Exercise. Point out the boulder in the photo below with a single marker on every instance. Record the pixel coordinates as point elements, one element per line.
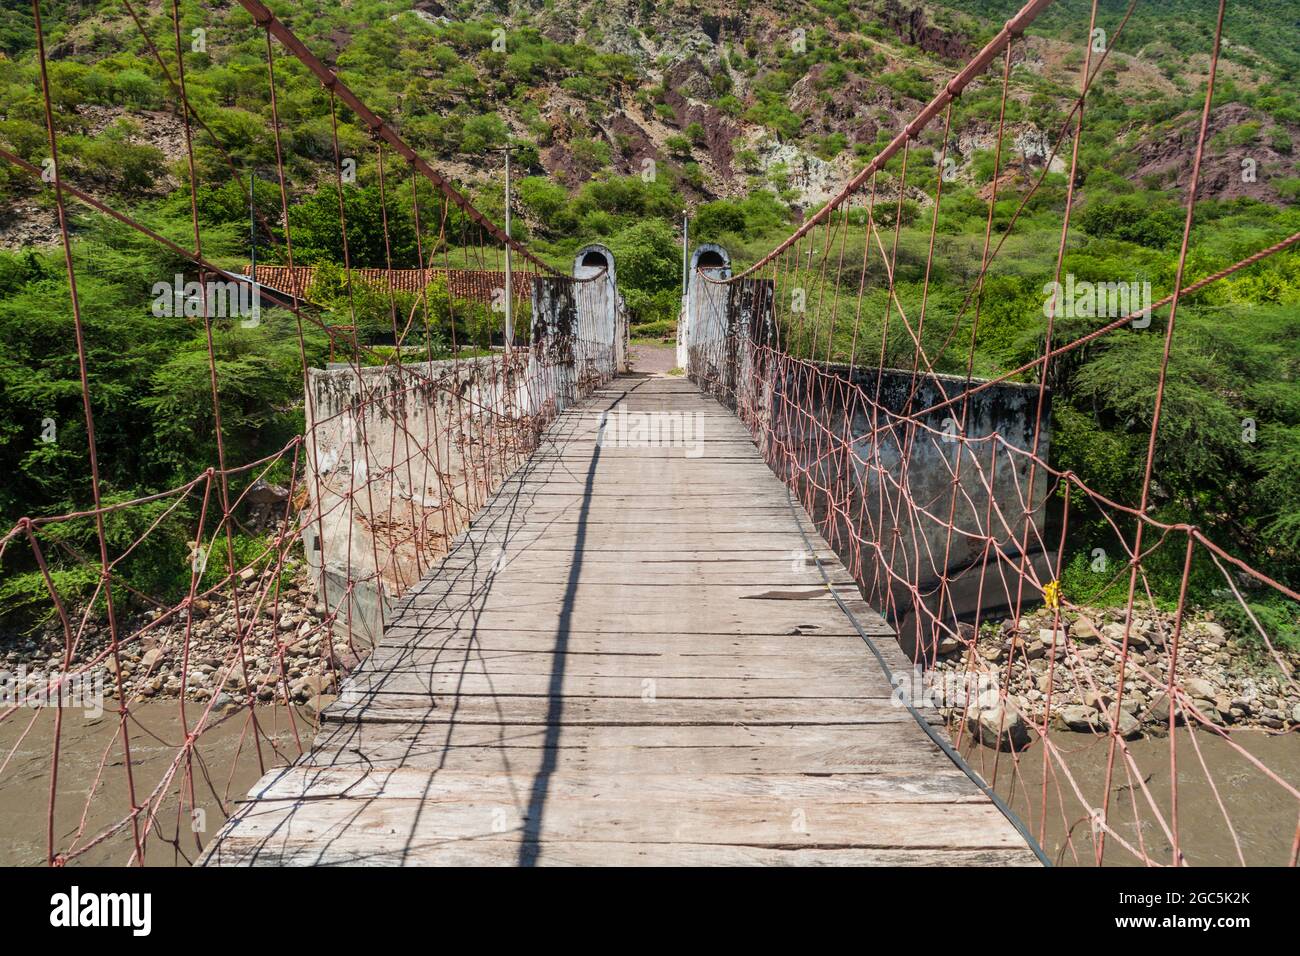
<point>312,685</point>
<point>1084,629</point>
<point>1096,699</point>
<point>1113,632</point>
<point>314,706</point>
<point>1214,633</point>
<point>1158,710</point>
<point>1207,709</point>
<point>265,502</point>
<point>1000,727</point>
<point>1082,719</point>
<point>1076,717</point>
<point>1128,725</point>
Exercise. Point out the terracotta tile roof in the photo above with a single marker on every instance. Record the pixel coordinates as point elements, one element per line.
<point>476,285</point>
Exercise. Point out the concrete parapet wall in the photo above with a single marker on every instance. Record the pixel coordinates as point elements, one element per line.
<point>400,458</point>
<point>896,489</point>
<point>398,461</point>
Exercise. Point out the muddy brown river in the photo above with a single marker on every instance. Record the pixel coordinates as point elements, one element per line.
<point>1251,818</point>
<point>225,766</point>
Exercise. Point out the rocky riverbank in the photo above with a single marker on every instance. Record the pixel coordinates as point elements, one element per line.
<point>287,658</point>
<point>1218,679</point>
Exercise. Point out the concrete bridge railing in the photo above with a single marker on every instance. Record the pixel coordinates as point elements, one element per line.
<point>401,456</point>
<point>846,439</point>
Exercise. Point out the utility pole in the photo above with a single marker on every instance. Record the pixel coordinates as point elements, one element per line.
<point>509,335</point>
<point>252,230</point>
<point>685,230</point>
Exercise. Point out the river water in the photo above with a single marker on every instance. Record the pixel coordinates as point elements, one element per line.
<point>225,767</point>
<point>1252,817</point>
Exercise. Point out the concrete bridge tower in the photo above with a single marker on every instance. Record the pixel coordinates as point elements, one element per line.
<point>704,309</point>
<point>601,311</point>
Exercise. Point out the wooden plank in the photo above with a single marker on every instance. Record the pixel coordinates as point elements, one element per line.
<point>647,561</point>
<point>302,782</point>
<point>469,683</point>
<point>628,553</point>
<point>531,568</point>
<point>564,536</point>
<point>756,820</point>
<point>526,749</point>
<point>564,511</point>
<point>508,590</point>
<point>656,711</point>
<point>639,666</point>
<point>591,642</point>
<point>777,618</point>
<point>352,850</point>
<point>422,752</point>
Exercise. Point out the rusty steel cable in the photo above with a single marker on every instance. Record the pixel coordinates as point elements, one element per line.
<point>494,408</point>
<point>774,366</point>
<point>848,452</point>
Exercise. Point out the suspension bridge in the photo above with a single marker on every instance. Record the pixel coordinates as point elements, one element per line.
<point>599,616</point>
<point>620,661</point>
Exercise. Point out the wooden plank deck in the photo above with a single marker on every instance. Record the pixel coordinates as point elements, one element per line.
<point>629,658</point>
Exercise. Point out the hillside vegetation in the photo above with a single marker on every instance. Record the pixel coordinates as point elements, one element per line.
<point>625,113</point>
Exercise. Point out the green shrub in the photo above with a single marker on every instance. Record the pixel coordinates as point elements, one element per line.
<point>678,145</point>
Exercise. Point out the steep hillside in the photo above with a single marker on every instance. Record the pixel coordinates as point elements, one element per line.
<point>716,98</point>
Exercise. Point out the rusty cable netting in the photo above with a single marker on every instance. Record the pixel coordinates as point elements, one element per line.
<point>401,449</point>
<point>933,513</point>
<point>943,517</point>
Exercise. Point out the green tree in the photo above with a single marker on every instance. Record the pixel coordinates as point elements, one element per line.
<point>318,235</point>
<point>649,270</point>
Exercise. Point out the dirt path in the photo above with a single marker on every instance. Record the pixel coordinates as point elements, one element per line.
<point>653,359</point>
